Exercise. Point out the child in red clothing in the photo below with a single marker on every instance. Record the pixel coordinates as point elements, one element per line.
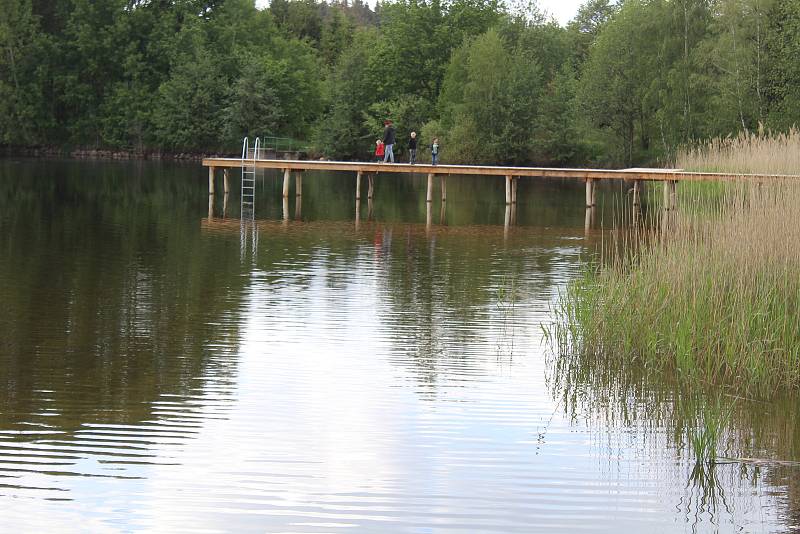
<point>378,150</point>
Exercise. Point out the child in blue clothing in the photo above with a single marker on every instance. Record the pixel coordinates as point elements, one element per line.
<point>435,151</point>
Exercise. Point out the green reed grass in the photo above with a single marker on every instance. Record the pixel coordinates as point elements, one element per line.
<point>715,296</point>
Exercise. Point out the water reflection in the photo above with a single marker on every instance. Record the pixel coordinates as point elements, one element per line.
<point>99,313</point>
<point>323,370</point>
<point>711,434</point>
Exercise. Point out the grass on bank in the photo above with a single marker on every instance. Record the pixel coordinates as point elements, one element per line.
<point>717,297</point>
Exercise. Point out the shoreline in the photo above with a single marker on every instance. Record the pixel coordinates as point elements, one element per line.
<point>111,154</point>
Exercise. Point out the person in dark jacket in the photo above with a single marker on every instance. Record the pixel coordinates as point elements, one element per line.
<point>412,148</point>
<point>388,141</point>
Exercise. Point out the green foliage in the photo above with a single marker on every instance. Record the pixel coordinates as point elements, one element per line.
<point>341,132</point>
<point>490,102</point>
<point>624,83</point>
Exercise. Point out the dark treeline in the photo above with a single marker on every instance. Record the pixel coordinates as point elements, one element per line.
<point>621,84</point>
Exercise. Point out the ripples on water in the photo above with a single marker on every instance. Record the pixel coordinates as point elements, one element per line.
<point>161,373</point>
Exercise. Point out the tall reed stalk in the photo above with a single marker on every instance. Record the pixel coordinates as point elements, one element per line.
<point>717,297</point>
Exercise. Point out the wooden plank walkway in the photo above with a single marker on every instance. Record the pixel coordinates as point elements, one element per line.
<point>511,174</point>
<point>656,174</point>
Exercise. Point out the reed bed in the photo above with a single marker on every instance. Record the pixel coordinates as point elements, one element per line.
<point>715,297</point>
<point>747,153</point>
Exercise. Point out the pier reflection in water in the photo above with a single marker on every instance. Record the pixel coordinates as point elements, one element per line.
<point>372,367</point>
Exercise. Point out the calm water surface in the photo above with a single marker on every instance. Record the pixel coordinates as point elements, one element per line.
<point>161,370</point>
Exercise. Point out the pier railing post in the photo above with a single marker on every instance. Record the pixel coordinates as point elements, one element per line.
<point>508,189</point>
<point>287,175</point>
<point>429,197</point>
<point>211,171</point>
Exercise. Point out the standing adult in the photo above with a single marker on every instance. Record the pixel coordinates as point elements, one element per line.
<point>388,141</point>
<point>412,148</point>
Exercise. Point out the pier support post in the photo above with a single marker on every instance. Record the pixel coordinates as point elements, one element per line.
<point>358,185</point>
<point>210,207</point>
<point>443,184</point>
<point>225,206</point>
<point>298,207</point>
<point>371,186</point>
<point>285,210</point>
<point>287,175</point>
<point>589,220</point>
<point>508,189</point>
<point>298,184</point>
<point>358,212</point>
<point>637,192</point>
<point>225,184</point>
<point>428,216</point>
<point>591,192</point>
<point>514,183</point>
<point>211,171</point>
<point>669,195</point>
<point>429,198</point>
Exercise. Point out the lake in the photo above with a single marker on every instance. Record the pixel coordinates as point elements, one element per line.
<point>330,367</point>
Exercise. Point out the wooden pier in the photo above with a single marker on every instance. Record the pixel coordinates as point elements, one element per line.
<point>511,175</point>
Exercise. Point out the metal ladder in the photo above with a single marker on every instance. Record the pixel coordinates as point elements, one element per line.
<point>248,193</point>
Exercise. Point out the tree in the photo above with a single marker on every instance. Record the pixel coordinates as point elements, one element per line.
<point>619,85</point>
<point>17,39</point>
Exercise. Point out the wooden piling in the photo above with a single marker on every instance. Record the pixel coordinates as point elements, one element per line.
<point>358,185</point>
<point>428,215</point>
<point>298,184</point>
<point>514,183</point>
<point>211,171</point>
<point>589,219</point>
<point>287,175</point>
<point>673,194</point>
<point>591,194</point>
<point>637,192</point>
<point>371,186</point>
<point>443,184</point>
<point>225,184</point>
<point>669,194</point>
<point>429,198</point>
<point>508,189</point>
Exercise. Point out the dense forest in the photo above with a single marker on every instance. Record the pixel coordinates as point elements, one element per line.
<point>622,83</point>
